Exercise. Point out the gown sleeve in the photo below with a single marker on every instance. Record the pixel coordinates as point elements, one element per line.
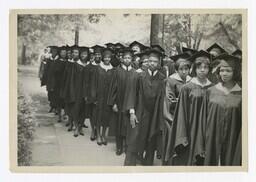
<point>181,119</point>
<point>112,96</point>
<point>157,120</point>
<point>169,101</point>
<point>130,92</point>
<point>201,135</point>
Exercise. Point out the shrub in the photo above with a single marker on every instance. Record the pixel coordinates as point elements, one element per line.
<point>25,124</point>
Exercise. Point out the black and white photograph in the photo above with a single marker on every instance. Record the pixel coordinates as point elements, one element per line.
<point>119,88</point>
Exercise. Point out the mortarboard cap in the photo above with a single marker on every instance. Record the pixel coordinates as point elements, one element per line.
<point>110,45</point>
<point>216,47</point>
<point>84,49</point>
<point>97,48</point>
<point>157,47</point>
<point>62,48</point>
<point>136,43</point>
<point>184,55</point>
<point>237,53</point>
<point>189,51</point>
<point>200,53</point>
<point>127,50</point>
<point>228,60</point>
<point>52,48</point>
<point>155,52</point>
<point>107,50</point>
<point>119,46</point>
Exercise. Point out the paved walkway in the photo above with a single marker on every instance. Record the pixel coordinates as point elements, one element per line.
<point>52,144</point>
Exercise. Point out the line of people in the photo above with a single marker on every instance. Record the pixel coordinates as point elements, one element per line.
<point>185,111</point>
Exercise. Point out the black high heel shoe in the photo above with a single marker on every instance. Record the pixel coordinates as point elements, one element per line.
<point>99,142</point>
<point>104,141</point>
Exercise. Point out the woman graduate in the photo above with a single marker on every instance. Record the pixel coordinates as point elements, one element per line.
<point>222,112</point>
<point>89,89</point>
<point>79,105</point>
<point>187,114</point>
<point>103,110</point>
<point>173,87</point>
<point>69,91</point>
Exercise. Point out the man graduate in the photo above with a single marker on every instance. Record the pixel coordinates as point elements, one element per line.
<point>121,96</point>
<point>89,89</point>
<point>148,115</point>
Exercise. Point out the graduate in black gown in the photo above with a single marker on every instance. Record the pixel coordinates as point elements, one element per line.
<point>173,86</point>
<point>187,116</point>
<point>215,50</point>
<point>143,66</point>
<point>137,48</point>
<point>78,77</point>
<point>220,141</point>
<point>148,116</point>
<point>103,110</point>
<point>66,90</point>
<point>164,69</point>
<point>59,73</point>
<point>90,89</point>
<point>51,79</point>
<point>121,96</point>
<point>70,90</point>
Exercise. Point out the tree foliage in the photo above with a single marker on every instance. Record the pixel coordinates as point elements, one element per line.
<point>200,31</point>
<point>191,30</point>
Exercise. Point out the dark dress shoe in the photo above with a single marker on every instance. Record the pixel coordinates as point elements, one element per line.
<point>81,133</point>
<point>59,121</point>
<point>99,141</point>
<point>92,138</point>
<point>104,142</point>
<point>119,151</point>
<point>75,135</point>
<point>51,109</point>
<point>67,124</point>
<point>85,126</point>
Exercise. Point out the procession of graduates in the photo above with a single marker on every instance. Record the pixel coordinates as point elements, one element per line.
<point>185,111</point>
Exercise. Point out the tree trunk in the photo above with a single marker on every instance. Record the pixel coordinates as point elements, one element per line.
<point>157,27</point>
<point>23,54</point>
<point>77,36</point>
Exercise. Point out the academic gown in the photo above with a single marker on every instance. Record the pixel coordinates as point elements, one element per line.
<point>104,111</point>
<point>186,123</point>
<point>221,133</point>
<point>77,108</point>
<point>89,91</point>
<point>68,86</point>
<point>173,87</point>
<point>171,68</point>
<point>149,109</point>
<point>59,73</point>
<point>51,81</point>
<point>44,69</point>
<point>122,93</point>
